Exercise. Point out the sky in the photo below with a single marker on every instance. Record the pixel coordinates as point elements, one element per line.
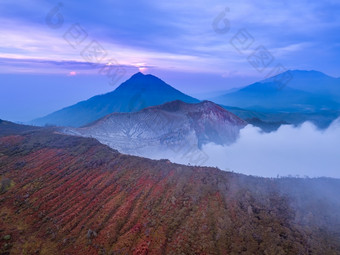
<point>199,47</point>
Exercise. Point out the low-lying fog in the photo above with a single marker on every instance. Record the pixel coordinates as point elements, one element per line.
<point>297,151</point>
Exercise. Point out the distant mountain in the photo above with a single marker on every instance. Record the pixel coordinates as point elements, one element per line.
<point>213,94</point>
<point>307,91</point>
<point>62,194</point>
<point>138,92</point>
<point>176,126</point>
<point>315,82</point>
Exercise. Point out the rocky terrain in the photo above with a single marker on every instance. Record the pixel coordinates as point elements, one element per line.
<point>172,128</point>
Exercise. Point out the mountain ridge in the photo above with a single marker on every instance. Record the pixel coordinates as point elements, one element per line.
<point>306,91</point>
<point>136,93</point>
<point>174,126</point>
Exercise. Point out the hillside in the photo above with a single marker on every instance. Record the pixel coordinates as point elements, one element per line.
<point>172,127</point>
<point>136,93</point>
<point>9,128</point>
<point>71,195</point>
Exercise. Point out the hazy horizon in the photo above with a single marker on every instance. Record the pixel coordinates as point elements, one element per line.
<point>200,52</point>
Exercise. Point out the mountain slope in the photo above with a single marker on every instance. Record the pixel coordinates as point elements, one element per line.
<point>138,92</point>
<point>9,128</point>
<point>307,91</point>
<point>70,195</point>
<point>176,126</point>
<point>315,82</point>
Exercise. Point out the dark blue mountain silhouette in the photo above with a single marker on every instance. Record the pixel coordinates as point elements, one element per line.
<point>136,93</point>
<point>307,91</point>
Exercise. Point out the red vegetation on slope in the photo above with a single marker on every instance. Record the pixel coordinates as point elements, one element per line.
<point>71,195</point>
